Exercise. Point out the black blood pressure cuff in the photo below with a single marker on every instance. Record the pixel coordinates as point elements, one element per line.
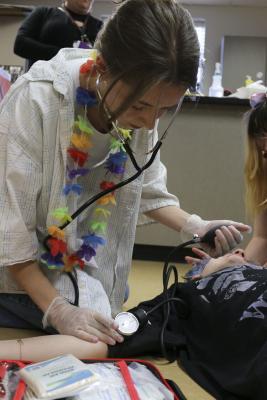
<point>147,340</point>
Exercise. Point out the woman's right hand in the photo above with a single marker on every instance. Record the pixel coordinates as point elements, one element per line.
<point>83,323</point>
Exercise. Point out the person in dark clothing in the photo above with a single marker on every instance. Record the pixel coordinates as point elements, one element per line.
<point>48,29</point>
<point>221,342</point>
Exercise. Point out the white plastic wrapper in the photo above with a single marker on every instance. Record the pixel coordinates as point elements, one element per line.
<point>245,92</point>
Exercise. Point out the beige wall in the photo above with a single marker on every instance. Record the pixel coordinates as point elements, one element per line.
<point>204,155</point>
<point>8,29</point>
<point>222,20</point>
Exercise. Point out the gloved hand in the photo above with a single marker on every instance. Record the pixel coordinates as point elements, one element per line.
<point>227,237</point>
<point>83,323</point>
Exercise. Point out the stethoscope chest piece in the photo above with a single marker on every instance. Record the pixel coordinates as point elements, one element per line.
<point>128,323</point>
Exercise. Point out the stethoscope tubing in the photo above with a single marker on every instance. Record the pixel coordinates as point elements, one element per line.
<point>119,185</point>
<point>93,199</point>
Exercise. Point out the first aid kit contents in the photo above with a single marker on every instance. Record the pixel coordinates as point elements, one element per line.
<point>56,378</point>
<point>121,381</point>
<point>11,386</point>
<point>68,377</point>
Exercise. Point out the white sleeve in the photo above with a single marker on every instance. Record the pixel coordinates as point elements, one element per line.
<point>20,175</point>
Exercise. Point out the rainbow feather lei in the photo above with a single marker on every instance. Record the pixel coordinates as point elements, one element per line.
<point>78,154</point>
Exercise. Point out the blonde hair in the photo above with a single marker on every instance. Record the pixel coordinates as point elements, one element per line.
<point>255,170</point>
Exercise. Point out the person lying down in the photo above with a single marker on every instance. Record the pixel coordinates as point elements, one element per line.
<point>224,347</point>
<point>227,329</point>
<point>222,343</point>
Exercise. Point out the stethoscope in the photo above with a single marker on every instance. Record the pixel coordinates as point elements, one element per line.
<point>114,130</point>
<point>130,323</point>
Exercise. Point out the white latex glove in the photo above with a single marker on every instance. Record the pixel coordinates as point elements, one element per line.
<point>227,237</point>
<point>84,323</point>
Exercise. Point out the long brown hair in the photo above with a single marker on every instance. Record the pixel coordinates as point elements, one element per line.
<point>149,41</point>
<point>255,165</point>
